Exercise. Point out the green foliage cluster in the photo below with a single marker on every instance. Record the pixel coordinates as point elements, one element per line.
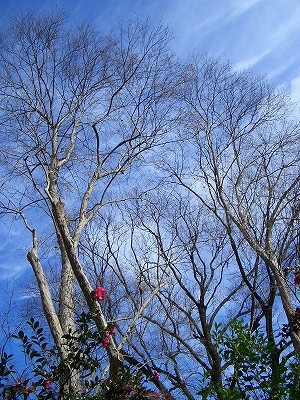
<point>47,376</point>
<point>253,368</point>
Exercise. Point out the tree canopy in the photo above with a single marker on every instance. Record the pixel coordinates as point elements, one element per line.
<point>162,200</point>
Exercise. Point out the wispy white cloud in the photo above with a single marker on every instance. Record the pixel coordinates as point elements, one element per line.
<point>286,25</point>
<point>240,7</point>
<point>195,17</point>
<point>295,89</point>
<point>251,62</point>
<point>251,33</point>
<point>13,260</point>
<point>30,295</point>
<point>9,270</point>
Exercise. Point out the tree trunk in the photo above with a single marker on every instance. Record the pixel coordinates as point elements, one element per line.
<point>57,332</point>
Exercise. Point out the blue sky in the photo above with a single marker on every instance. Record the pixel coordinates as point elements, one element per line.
<point>262,34</point>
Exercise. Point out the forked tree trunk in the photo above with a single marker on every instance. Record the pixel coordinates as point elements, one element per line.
<point>70,380</point>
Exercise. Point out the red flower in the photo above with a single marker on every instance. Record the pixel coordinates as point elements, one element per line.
<point>28,390</point>
<point>47,383</point>
<point>111,331</point>
<point>99,293</point>
<point>155,375</point>
<point>297,279</point>
<point>105,341</point>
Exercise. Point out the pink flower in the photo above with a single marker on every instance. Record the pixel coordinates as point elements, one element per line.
<point>99,293</point>
<point>155,375</point>
<point>111,331</point>
<point>297,279</point>
<point>18,384</point>
<point>105,341</point>
<point>47,383</point>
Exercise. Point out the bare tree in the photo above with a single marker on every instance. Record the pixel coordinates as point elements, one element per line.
<point>187,236</point>
<point>234,167</point>
<point>239,157</point>
<point>77,110</point>
<point>167,240</point>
